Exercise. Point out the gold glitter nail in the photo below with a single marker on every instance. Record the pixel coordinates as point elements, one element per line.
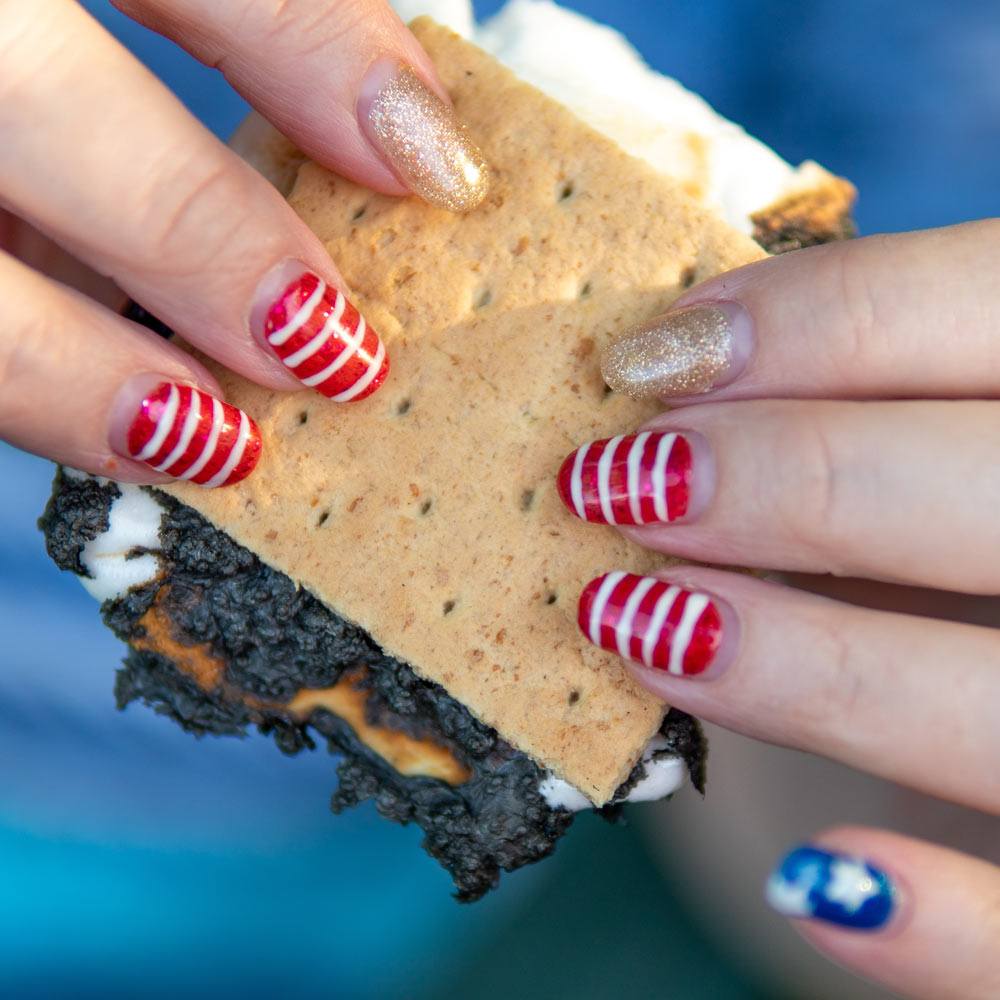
<point>427,145</point>
<point>681,353</point>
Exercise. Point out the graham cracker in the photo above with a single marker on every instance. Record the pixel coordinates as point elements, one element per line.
<point>428,513</point>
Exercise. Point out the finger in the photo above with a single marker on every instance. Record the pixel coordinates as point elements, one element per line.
<point>928,917</point>
<point>344,79</point>
<point>97,393</point>
<point>899,491</point>
<point>889,316</point>
<point>36,250</point>
<point>911,699</point>
<point>157,203</point>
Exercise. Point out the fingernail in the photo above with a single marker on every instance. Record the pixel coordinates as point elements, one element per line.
<point>657,624</point>
<point>835,888</point>
<point>318,335</point>
<point>185,433</point>
<point>684,352</point>
<point>419,136</point>
<point>639,479</point>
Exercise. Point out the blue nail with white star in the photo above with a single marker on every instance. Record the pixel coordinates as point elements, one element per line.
<point>815,884</point>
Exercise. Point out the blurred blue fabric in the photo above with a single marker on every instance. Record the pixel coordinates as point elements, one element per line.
<point>127,846</point>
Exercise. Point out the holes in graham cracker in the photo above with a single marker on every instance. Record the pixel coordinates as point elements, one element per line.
<point>303,417</point>
<point>551,597</point>
<point>403,407</point>
<point>687,276</point>
<point>483,298</point>
<point>574,697</point>
<point>359,213</point>
<point>425,507</point>
<point>567,191</point>
<point>527,500</point>
<point>448,607</point>
<point>585,289</point>
<point>322,519</point>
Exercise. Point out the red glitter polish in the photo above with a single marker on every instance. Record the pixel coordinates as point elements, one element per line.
<point>660,625</point>
<point>325,342</point>
<point>189,434</point>
<point>640,479</point>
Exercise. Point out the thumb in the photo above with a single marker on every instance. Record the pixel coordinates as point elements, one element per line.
<point>344,79</point>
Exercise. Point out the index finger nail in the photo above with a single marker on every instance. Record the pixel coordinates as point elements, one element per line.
<point>684,352</point>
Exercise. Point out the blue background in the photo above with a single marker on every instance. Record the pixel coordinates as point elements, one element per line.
<point>134,859</point>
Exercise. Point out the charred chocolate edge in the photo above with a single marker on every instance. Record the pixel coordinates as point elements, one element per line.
<point>217,594</point>
<point>74,517</point>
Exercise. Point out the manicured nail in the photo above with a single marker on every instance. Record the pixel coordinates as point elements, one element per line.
<point>681,353</point>
<point>421,139</point>
<point>839,889</point>
<point>639,479</point>
<point>188,434</point>
<point>657,624</point>
<point>321,338</point>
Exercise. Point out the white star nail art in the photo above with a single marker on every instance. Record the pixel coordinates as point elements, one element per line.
<point>850,885</point>
<point>789,898</point>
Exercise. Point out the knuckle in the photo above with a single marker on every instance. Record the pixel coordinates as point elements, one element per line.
<point>826,715</point>
<point>319,23</point>
<point>23,346</point>
<point>859,342</point>
<point>844,693</point>
<point>809,492</point>
<point>187,212</point>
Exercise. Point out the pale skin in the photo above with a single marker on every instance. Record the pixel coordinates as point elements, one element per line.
<point>818,464</point>
<point>862,440</point>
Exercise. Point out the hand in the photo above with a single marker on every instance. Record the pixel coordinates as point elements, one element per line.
<point>848,422</point>
<point>99,157</point>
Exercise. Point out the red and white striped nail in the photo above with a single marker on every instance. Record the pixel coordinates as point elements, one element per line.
<point>660,625</point>
<point>321,338</point>
<point>639,479</point>
<point>186,433</point>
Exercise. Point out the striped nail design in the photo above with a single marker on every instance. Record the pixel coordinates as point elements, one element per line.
<point>189,434</point>
<point>638,479</point>
<point>660,625</point>
<point>325,342</point>
<point>836,888</point>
